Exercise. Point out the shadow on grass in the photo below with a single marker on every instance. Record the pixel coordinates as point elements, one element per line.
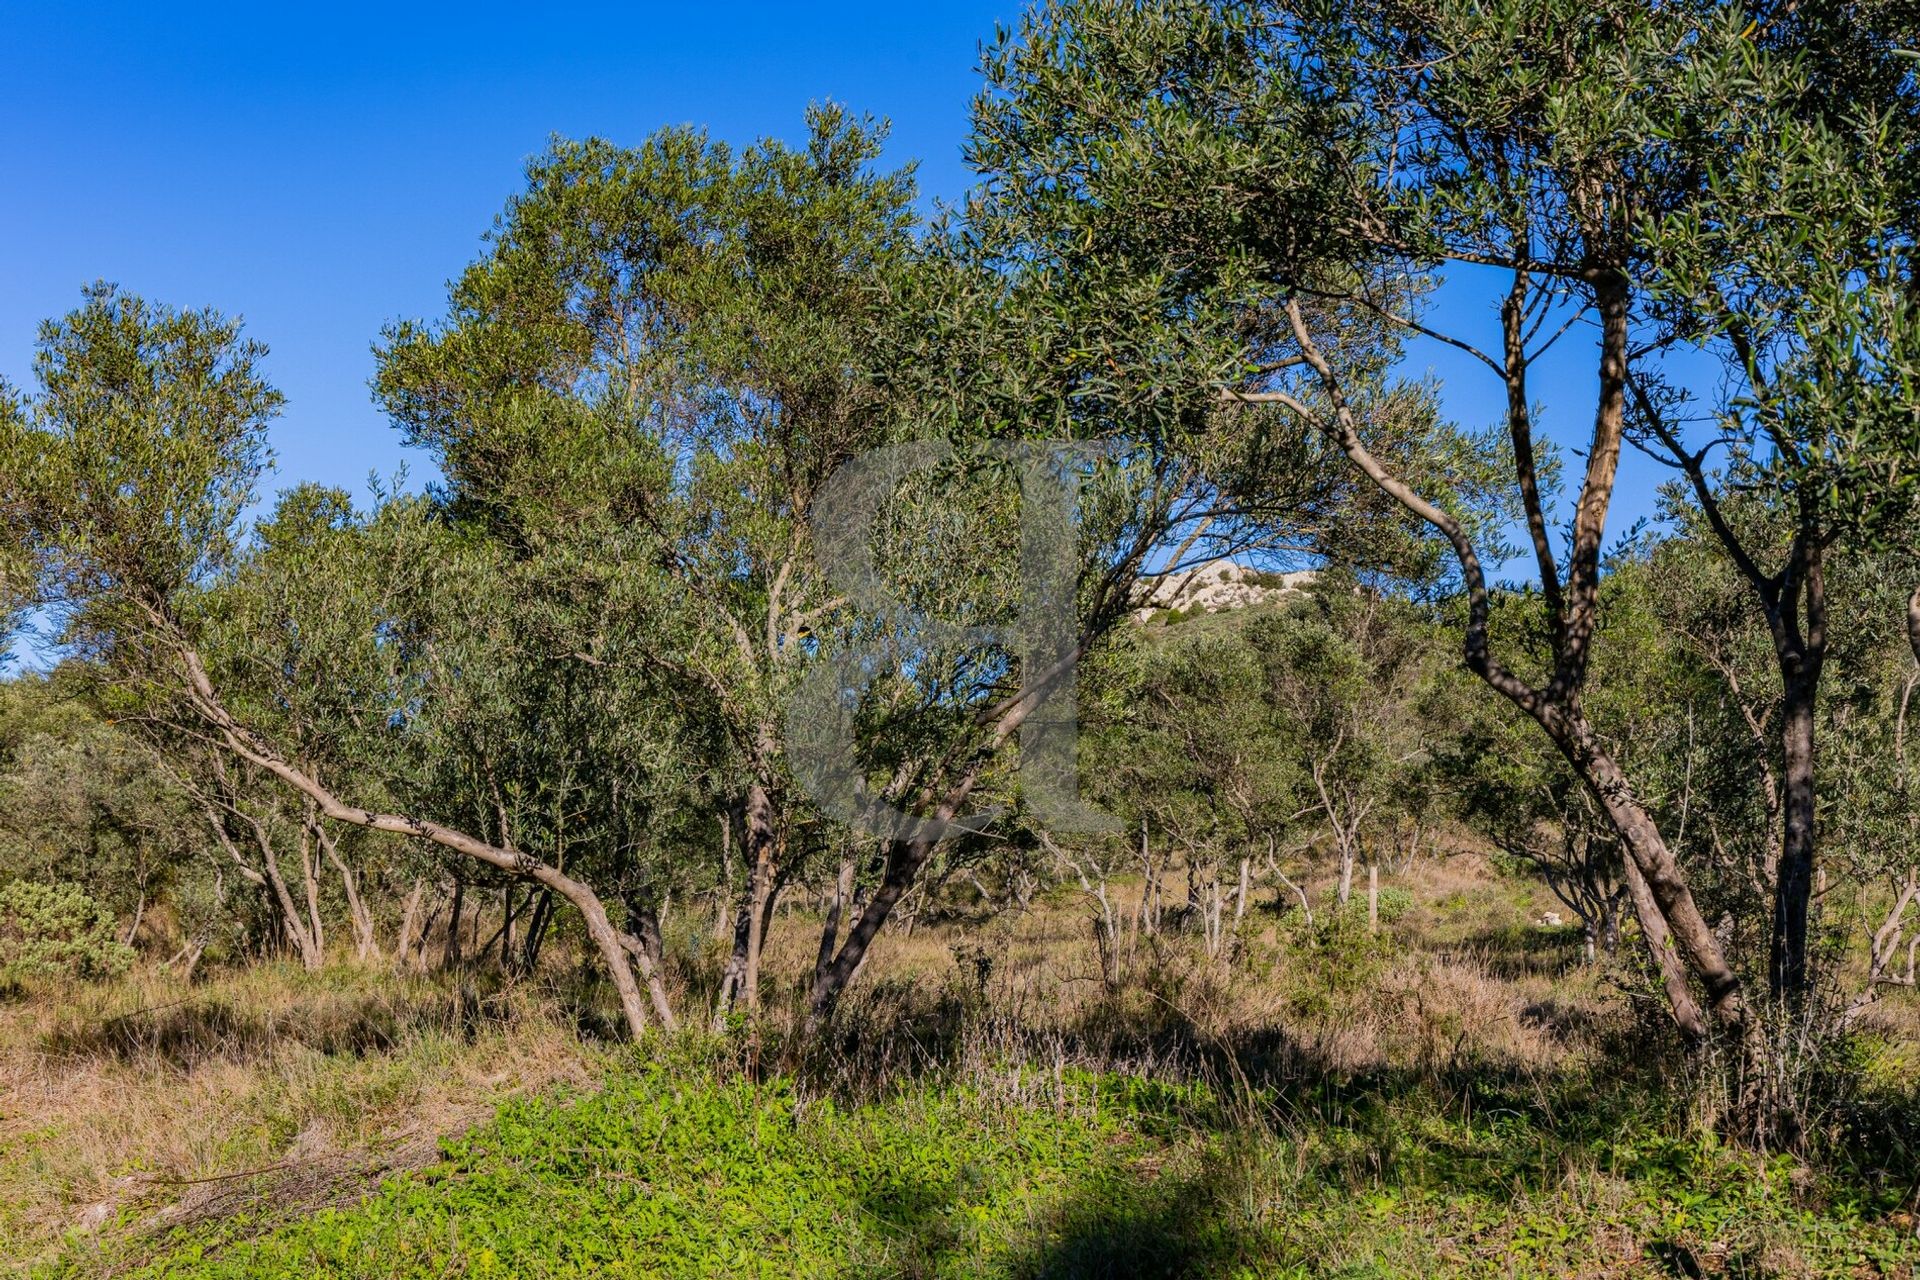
<point>1118,1224</point>
<point>1526,951</point>
<point>1462,1124</point>
<point>1266,1076</point>
<point>1178,1226</point>
<point>213,1028</point>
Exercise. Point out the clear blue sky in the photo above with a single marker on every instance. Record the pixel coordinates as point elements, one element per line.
<point>323,173</point>
<point>323,170</point>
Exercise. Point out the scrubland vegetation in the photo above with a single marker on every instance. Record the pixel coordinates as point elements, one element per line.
<point>750,812</point>
<point>1458,1094</point>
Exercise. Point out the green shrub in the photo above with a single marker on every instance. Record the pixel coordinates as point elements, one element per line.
<point>1394,902</point>
<point>664,1171</point>
<point>55,930</point>
<point>667,1171</point>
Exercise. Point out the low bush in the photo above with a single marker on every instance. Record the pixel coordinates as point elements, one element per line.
<point>675,1168</point>
<point>56,931</point>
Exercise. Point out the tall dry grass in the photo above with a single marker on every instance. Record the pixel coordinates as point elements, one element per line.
<point>147,1099</point>
<point>1468,977</point>
<point>145,1103</point>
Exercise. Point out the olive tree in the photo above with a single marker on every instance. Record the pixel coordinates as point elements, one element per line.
<point>138,457</point>
<point>702,324</point>
<point>1573,165</point>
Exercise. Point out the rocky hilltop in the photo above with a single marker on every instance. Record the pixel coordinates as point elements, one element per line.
<point>1213,586</point>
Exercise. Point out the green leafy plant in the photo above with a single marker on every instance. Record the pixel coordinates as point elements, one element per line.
<point>56,931</point>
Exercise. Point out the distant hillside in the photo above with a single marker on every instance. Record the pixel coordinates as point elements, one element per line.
<point>1214,586</point>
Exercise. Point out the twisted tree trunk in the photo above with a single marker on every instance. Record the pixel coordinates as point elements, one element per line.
<point>1665,903</point>
<point>242,741</point>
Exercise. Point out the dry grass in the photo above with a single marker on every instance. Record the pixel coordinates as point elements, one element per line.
<point>145,1099</point>
<point>1466,977</point>
<point>145,1104</point>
